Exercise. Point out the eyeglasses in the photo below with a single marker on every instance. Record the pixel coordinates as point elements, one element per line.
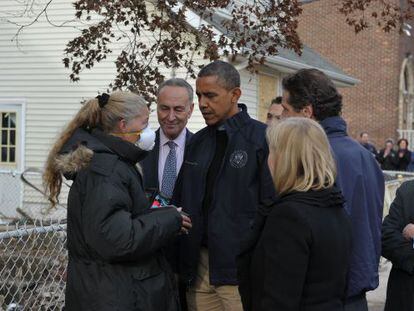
<point>136,133</point>
<point>129,133</point>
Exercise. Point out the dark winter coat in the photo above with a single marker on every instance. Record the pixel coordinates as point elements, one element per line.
<point>298,254</point>
<point>152,186</point>
<point>362,184</point>
<point>243,181</point>
<point>400,292</point>
<point>388,163</point>
<point>404,160</point>
<point>114,240</point>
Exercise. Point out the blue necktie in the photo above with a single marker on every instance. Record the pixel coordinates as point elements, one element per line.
<point>170,172</point>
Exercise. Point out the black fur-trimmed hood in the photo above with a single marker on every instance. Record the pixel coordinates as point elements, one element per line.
<point>79,150</point>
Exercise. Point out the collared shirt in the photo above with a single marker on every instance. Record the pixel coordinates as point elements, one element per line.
<point>164,150</point>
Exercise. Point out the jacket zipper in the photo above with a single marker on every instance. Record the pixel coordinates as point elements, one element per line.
<point>213,200</point>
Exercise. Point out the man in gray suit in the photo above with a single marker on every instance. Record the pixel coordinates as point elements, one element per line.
<point>174,108</point>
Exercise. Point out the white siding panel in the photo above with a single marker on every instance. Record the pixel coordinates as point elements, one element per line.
<point>249,92</point>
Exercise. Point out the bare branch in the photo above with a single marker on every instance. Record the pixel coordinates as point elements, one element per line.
<point>16,36</point>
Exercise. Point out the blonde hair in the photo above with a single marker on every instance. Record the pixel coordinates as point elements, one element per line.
<point>302,156</point>
<point>120,105</point>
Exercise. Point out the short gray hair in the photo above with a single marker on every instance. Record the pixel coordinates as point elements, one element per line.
<point>178,82</point>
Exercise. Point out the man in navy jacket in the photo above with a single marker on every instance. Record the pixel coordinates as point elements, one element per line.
<point>223,180</point>
<point>310,93</point>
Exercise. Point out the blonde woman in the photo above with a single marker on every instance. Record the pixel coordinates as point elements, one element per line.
<point>297,255</point>
<point>113,238</point>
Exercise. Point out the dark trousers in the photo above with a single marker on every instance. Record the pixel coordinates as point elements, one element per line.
<point>356,303</point>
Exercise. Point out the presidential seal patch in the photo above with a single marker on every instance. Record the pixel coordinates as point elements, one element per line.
<point>238,159</point>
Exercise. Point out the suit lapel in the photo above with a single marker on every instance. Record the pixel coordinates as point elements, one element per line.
<point>156,155</point>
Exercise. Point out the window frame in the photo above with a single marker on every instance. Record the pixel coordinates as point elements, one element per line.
<point>18,106</point>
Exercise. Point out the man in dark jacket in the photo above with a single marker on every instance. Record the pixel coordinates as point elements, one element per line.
<point>397,246</point>
<point>223,179</point>
<point>364,140</point>
<point>174,108</point>
<point>175,105</point>
<point>310,93</point>
<point>387,157</point>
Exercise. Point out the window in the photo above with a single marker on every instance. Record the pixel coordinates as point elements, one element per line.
<point>8,137</point>
<point>406,100</point>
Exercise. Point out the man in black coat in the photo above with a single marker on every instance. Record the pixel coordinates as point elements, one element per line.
<point>397,246</point>
<point>174,108</point>
<point>364,140</point>
<point>223,179</point>
<point>387,157</point>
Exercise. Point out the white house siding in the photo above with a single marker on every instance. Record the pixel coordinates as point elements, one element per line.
<point>35,72</point>
<point>249,92</point>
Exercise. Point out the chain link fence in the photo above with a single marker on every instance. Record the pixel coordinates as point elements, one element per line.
<point>33,255</point>
<point>33,260</point>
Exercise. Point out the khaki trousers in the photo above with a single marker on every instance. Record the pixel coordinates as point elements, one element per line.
<point>203,296</point>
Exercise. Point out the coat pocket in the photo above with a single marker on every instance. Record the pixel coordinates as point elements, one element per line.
<point>145,271</point>
<point>152,288</point>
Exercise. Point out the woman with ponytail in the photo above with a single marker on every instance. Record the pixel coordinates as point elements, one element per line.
<point>114,239</point>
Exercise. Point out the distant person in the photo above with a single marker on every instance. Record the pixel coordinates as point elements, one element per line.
<point>397,246</point>
<point>404,155</point>
<point>275,110</point>
<point>310,93</point>
<point>387,157</point>
<point>364,140</point>
<point>298,253</point>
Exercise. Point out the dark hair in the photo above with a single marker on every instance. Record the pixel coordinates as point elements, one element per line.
<point>178,82</point>
<point>362,134</point>
<point>276,101</point>
<point>400,140</point>
<point>313,87</point>
<point>389,140</point>
<point>227,74</point>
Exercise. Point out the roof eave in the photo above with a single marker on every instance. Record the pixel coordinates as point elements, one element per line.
<point>276,62</point>
<point>289,66</point>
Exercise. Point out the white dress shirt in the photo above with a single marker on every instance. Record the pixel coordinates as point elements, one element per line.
<point>164,150</point>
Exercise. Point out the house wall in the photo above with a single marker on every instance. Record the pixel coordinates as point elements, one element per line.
<point>33,70</point>
<point>371,56</point>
